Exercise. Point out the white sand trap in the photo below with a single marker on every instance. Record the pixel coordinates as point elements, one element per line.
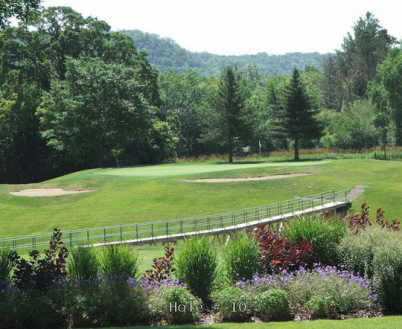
<point>220,180</point>
<point>45,192</point>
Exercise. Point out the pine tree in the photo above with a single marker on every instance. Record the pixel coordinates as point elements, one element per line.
<point>229,121</point>
<point>296,118</point>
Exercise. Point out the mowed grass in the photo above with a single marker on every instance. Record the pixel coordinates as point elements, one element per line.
<point>153,193</point>
<point>389,322</point>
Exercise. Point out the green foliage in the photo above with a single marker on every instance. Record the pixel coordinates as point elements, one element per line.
<point>40,274</point>
<point>196,265</point>
<point>296,118</point>
<point>95,110</point>
<point>83,263</point>
<point>5,264</point>
<point>386,95</point>
<point>353,128</point>
<point>234,304</point>
<point>164,305</point>
<point>163,142</point>
<point>165,55</point>
<point>241,257</point>
<point>376,253</point>
<point>119,259</point>
<point>325,232</point>
<point>272,303</point>
<point>185,106</point>
<point>24,10</point>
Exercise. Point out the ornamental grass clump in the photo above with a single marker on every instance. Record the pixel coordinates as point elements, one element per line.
<point>83,263</point>
<point>196,265</point>
<point>119,259</point>
<point>5,264</point>
<point>376,253</point>
<point>241,257</point>
<point>328,292</point>
<point>325,232</point>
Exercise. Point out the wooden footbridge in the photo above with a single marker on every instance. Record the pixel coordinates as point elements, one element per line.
<point>273,215</point>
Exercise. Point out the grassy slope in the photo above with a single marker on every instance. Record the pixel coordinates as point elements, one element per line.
<point>151,193</point>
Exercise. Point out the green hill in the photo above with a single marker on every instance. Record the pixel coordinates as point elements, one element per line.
<point>165,54</point>
<point>153,193</point>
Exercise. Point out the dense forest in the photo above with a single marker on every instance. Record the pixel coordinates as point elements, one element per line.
<point>165,54</point>
<point>75,95</point>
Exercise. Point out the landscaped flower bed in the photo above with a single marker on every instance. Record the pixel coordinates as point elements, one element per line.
<point>360,276</point>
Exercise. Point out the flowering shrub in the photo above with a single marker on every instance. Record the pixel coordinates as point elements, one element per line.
<point>343,290</point>
<point>279,252</point>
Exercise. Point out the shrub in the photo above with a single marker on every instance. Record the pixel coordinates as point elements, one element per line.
<point>272,303</point>
<point>345,291</point>
<point>41,274</point>
<point>241,257</point>
<point>119,259</point>
<point>174,304</point>
<point>83,263</point>
<point>277,253</point>
<point>233,304</point>
<point>360,221</point>
<point>196,265</point>
<point>325,232</point>
<point>162,267</point>
<point>106,301</point>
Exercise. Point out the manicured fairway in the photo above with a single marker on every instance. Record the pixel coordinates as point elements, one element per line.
<point>152,193</point>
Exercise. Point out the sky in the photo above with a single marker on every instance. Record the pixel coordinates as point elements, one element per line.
<point>235,27</point>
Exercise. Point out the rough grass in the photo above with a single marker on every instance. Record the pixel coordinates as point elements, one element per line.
<point>152,193</point>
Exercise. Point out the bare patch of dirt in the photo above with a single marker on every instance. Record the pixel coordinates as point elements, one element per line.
<point>41,192</point>
<point>356,192</point>
<point>243,179</point>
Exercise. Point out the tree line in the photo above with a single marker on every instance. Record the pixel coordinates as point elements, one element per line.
<point>75,95</point>
<point>165,55</point>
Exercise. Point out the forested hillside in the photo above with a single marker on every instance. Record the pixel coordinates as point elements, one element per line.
<point>75,95</point>
<point>165,54</point>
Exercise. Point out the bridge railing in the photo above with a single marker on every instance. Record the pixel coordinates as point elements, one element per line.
<point>139,231</point>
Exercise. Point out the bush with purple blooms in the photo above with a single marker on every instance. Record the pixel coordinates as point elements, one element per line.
<point>340,291</point>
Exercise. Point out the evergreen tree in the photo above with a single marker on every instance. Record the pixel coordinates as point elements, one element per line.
<point>296,118</point>
<point>228,121</point>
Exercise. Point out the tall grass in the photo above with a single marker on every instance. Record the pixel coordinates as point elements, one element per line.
<point>241,257</point>
<point>325,232</point>
<point>83,263</point>
<point>5,265</point>
<point>120,260</point>
<point>196,265</point>
<point>377,254</point>
<point>392,153</point>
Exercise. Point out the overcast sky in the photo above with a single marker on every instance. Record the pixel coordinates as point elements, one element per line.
<point>227,27</point>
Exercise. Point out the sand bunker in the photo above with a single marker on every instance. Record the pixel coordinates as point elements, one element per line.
<point>45,192</point>
<point>219,180</point>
